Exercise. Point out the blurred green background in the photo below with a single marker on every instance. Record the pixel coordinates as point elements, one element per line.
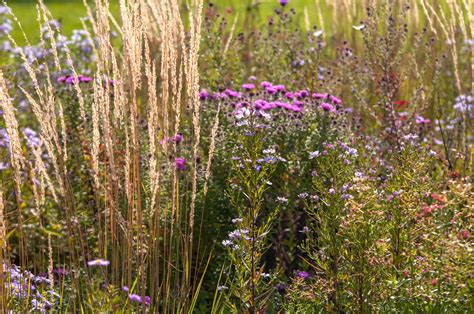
<point>70,11</point>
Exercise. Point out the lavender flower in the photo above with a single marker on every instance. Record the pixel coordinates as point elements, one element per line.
<point>314,154</point>
<point>345,196</point>
<point>135,298</point>
<point>421,120</point>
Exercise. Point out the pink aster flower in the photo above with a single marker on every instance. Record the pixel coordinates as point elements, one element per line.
<point>335,100</point>
<point>327,107</point>
<point>231,93</point>
<point>260,104</point>
<point>280,88</point>
<point>248,87</point>
<point>266,84</point>
<point>135,298</point>
<point>319,96</point>
<point>271,90</point>
<point>84,79</point>
<point>302,94</point>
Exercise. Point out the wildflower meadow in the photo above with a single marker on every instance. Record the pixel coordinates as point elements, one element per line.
<point>237,156</point>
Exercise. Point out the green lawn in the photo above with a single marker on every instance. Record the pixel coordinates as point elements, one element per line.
<point>70,11</point>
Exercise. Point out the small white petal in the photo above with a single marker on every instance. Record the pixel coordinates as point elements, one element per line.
<point>318,33</point>
<point>358,27</point>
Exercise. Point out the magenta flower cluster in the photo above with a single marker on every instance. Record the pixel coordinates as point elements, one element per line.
<point>70,80</point>
<point>270,96</point>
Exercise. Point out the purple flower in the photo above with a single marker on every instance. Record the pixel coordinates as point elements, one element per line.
<point>204,95</point>
<point>260,104</point>
<point>135,298</point>
<point>248,87</point>
<point>220,96</point>
<point>335,100</point>
<point>180,163</point>
<point>327,107</point>
<point>266,84</point>
<point>29,132</point>
<point>98,262</point>
<point>271,90</point>
<point>84,79</point>
<point>303,195</point>
<point>298,103</point>
<point>147,300</point>
<point>290,95</point>
<point>302,94</point>
<point>177,138</point>
<point>303,274</point>
<point>314,154</point>
<point>295,108</point>
<point>332,191</point>
<point>283,2</point>
<point>280,88</point>
<point>125,289</point>
<point>70,80</point>
<point>231,93</point>
<point>319,96</point>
